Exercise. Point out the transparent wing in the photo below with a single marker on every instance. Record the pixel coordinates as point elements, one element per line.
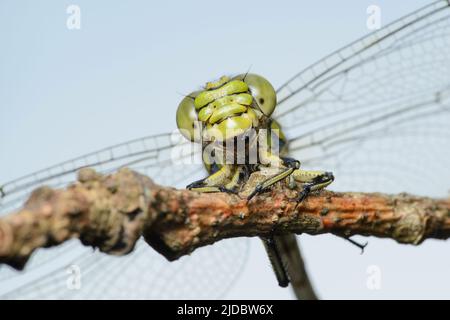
<point>377,112</point>
<point>72,271</point>
<point>149,154</point>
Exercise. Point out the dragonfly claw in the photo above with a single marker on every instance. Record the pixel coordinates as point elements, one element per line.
<point>257,190</point>
<point>362,246</point>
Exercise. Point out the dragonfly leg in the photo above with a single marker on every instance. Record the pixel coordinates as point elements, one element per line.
<point>356,243</point>
<point>313,181</point>
<point>225,179</point>
<point>289,165</point>
<point>265,185</point>
<point>291,162</point>
<point>235,180</point>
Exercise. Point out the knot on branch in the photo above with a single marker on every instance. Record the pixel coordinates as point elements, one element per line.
<point>106,212</point>
<point>118,209</point>
<point>410,228</point>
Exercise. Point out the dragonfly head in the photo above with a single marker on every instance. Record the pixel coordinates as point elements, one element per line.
<point>226,108</point>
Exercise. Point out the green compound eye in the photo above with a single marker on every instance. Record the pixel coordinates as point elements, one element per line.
<point>262,91</point>
<point>187,120</point>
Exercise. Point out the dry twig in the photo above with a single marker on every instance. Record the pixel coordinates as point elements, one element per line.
<point>111,212</point>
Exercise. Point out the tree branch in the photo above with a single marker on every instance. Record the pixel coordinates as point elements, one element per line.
<point>112,212</point>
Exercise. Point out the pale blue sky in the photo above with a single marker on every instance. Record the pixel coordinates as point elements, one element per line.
<point>67,92</point>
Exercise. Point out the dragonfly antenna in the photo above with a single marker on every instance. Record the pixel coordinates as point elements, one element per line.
<point>185,95</point>
<point>248,70</point>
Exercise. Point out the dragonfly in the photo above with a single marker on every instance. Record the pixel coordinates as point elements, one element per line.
<point>376,113</point>
<point>231,118</point>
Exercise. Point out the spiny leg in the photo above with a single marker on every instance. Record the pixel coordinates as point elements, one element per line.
<point>265,185</point>
<point>313,181</point>
<point>236,178</point>
<point>290,166</point>
<point>220,181</point>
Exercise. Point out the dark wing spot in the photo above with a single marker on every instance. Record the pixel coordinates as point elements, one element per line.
<point>261,100</point>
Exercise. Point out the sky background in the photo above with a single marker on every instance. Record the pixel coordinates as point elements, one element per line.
<point>121,76</point>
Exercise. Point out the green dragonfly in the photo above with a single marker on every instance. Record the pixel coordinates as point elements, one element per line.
<point>376,113</point>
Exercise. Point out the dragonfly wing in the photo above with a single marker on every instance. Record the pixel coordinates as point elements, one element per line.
<point>74,271</point>
<point>152,151</point>
<point>376,112</point>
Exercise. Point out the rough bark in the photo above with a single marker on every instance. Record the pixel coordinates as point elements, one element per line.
<point>111,212</point>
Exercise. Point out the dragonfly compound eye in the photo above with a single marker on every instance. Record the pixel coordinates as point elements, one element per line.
<point>262,91</point>
<point>187,119</point>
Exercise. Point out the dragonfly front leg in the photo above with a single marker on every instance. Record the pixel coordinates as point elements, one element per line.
<point>289,165</point>
<point>312,180</point>
<point>225,179</point>
<point>265,185</point>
